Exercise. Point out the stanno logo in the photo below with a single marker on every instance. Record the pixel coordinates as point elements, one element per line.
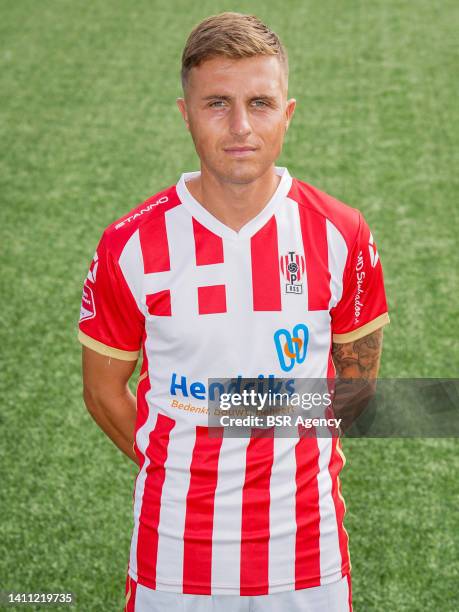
<point>291,347</point>
<point>292,268</point>
<point>374,256</point>
<point>141,212</point>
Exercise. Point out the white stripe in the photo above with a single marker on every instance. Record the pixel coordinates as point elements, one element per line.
<point>238,277</point>
<point>169,567</point>
<point>179,227</point>
<point>282,514</point>
<point>290,239</point>
<point>226,545</point>
<point>337,255</point>
<point>330,555</point>
<point>131,264</point>
<point>141,439</point>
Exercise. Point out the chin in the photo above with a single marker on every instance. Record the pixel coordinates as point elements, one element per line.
<point>242,173</point>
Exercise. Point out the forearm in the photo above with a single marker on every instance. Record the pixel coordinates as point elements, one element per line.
<point>115,415</point>
<point>351,398</point>
<point>357,365</point>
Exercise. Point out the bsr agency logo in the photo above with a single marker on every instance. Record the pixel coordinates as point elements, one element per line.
<point>292,346</point>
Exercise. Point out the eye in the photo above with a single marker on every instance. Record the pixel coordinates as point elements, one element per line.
<point>216,102</point>
<point>260,103</point>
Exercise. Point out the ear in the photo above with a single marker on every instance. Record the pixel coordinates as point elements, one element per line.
<point>182,108</point>
<point>289,110</point>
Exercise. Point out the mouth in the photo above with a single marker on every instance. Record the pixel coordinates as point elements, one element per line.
<point>240,151</point>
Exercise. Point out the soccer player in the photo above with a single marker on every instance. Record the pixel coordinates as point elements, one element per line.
<point>238,269</point>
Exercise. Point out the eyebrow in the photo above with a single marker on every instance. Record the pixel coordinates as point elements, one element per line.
<point>228,98</point>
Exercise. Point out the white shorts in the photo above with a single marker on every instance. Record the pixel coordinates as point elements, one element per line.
<point>334,597</point>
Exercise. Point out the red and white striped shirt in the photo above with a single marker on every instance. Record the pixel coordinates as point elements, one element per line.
<point>199,300</point>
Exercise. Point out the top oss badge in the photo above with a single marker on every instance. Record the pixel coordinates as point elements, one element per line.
<point>292,268</point>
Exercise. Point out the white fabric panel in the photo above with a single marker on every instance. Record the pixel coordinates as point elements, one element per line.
<point>142,437</point>
<point>329,598</point>
<point>282,514</point>
<point>290,239</point>
<point>131,264</point>
<point>238,278</point>
<point>226,545</point>
<point>330,555</point>
<point>169,568</point>
<point>337,254</point>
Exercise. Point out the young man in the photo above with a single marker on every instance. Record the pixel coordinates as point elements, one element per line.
<point>201,279</point>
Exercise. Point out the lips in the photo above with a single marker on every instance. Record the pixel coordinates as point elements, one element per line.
<point>240,151</point>
<point>240,148</point>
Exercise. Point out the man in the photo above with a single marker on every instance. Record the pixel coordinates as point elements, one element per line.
<point>201,279</point>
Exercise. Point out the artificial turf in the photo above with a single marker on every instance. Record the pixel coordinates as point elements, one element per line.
<point>89,128</point>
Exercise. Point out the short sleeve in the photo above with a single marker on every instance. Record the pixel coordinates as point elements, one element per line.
<point>363,307</point>
<point>110,320</point>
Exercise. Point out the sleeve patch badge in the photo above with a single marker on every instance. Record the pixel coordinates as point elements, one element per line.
<point>88,307</point>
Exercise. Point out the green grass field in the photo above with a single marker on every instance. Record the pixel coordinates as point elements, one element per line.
<point>89,128</point>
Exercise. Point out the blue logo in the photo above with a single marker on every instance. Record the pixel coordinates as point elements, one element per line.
<point>291,347</point>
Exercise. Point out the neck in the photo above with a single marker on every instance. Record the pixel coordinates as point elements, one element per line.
<point>233,204</point>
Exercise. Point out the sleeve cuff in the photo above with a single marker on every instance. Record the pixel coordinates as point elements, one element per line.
<point>103,349</point>
<point>360,332</point>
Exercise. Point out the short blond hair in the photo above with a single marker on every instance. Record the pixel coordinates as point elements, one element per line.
<point>232,35</point>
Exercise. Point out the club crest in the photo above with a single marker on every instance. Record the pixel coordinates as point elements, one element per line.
<point>292,268</point>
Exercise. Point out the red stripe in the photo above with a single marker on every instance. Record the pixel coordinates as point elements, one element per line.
<point>255,514</point>
<point>130,592</point>
<point>159,303</point>
<point>142,408</point>
<point>265,268</point>
<point>334,467</point>
<point>142,414</point>
<point>147,545</point>
<point>331,388</point>
<point>331,370</point>
<point>211,299</point>
<point>208,246</point>
<point>154,245</point>
<point>199,520</point>
<point>307,547</point>
<point>314,232</point>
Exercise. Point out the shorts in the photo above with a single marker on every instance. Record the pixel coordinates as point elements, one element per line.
<point>334,597</point>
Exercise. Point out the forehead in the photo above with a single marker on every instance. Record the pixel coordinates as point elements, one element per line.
<point>261,73</point>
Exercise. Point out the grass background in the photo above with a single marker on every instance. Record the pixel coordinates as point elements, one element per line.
<point>89,128</point>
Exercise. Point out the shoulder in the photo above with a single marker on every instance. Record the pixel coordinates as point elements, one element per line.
<point>118,233</point>
<point>346,219</point>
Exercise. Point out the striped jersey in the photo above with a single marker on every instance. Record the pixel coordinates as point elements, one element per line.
<point>198,300</point>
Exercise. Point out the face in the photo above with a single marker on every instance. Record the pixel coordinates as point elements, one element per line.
<point>237,113</point>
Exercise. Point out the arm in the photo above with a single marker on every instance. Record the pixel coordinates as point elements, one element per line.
<point>108,398</point>
<point>357,365</point>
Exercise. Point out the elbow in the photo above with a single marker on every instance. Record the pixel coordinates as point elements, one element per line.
<point>90,399</point>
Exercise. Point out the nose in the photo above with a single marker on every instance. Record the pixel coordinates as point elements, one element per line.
<point>239,121</point>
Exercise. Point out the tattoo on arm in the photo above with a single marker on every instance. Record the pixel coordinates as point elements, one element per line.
<point>357,365</point>
<point>359,359</point>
